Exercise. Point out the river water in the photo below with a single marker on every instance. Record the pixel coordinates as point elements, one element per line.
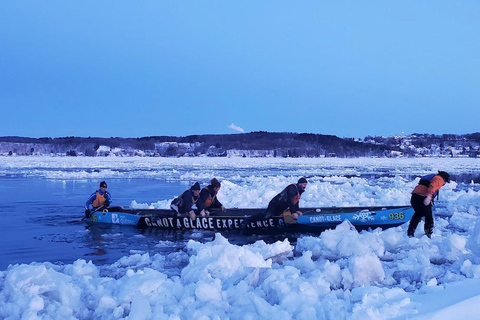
<point>42,221</point>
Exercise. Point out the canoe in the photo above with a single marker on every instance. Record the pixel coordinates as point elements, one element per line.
<point>314,220</point>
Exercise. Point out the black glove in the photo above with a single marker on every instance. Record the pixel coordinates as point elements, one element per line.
<point>87,213</point>
<point>106,204</point>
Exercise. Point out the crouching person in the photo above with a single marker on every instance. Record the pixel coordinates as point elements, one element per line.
<point>423,199</point>
<point>183,203</point>
<point>208,198</point>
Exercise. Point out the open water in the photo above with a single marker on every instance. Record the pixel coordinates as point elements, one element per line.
<point>42,221</point>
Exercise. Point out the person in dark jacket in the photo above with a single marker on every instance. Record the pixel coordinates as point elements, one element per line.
<point>208,198</point>
<point>99,199</point>
<point>422,201</point>
<point>289,199</point>
<point>183,203</point>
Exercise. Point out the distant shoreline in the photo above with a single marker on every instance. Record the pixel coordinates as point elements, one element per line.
<point>254,144</point>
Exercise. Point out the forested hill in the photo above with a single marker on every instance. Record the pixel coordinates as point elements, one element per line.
<point>254,144</point>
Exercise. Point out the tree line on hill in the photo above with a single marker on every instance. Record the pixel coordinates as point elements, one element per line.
<point>259,143</point>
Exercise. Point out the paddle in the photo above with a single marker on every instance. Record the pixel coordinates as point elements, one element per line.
<point>90,212</point>
<point>312,211</point>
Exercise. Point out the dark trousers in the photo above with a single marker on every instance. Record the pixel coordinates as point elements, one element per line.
<point>421,211</point>
<point>273,209</point>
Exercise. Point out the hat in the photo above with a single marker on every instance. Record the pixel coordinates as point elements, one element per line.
<point>103,184</point>
<point>196,186</point>
<point>215,183</point>
<point>444,175</point>
<point>302,180</point>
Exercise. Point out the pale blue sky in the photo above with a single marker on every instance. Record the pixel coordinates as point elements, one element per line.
<point>141,68</point>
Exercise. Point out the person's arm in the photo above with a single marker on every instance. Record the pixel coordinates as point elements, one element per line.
<point>217,204</point>
<point>108,199</point>
<point>435,184</point>
<point>90,200</point>
<point>292,193</point>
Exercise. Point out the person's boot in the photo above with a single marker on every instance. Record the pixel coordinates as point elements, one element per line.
<point>411,233</point>
<point>429,232</point>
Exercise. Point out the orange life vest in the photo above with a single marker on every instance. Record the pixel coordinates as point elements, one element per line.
<point>99,200</point>
<point>209,201</point>
<point>297,198</point>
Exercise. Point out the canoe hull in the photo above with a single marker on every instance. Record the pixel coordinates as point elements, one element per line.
<point>314,219</point>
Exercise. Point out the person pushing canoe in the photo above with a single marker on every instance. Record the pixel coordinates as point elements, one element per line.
<point>208,198</point>
<point>288,199</point>
<point>183,203</point>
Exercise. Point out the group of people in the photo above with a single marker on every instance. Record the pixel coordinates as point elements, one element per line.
<point>204,199</point>
<point>422,200</point>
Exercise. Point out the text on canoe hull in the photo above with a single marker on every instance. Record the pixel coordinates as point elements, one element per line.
<point>209,223</point>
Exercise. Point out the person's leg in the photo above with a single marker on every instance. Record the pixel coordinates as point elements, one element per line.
<point>413,224</point>
<point>260,215</point>
<point>272,210</point>
<point>428,221</point>
<point>417,204</point>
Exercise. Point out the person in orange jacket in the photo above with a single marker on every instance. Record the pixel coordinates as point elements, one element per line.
<point>423,199</point>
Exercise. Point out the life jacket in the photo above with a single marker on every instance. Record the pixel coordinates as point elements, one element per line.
<point>178,201</point>
<point>99,200</point>
<point>210,199</point>
<point>425,181</point>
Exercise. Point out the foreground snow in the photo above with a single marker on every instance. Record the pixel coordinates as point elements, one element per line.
<point>340,274</point>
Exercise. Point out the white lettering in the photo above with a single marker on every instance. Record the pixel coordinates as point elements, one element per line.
<point>147,222</point>
<point>328,218</point>
<point>204,223</point>
<point>165,222</point>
